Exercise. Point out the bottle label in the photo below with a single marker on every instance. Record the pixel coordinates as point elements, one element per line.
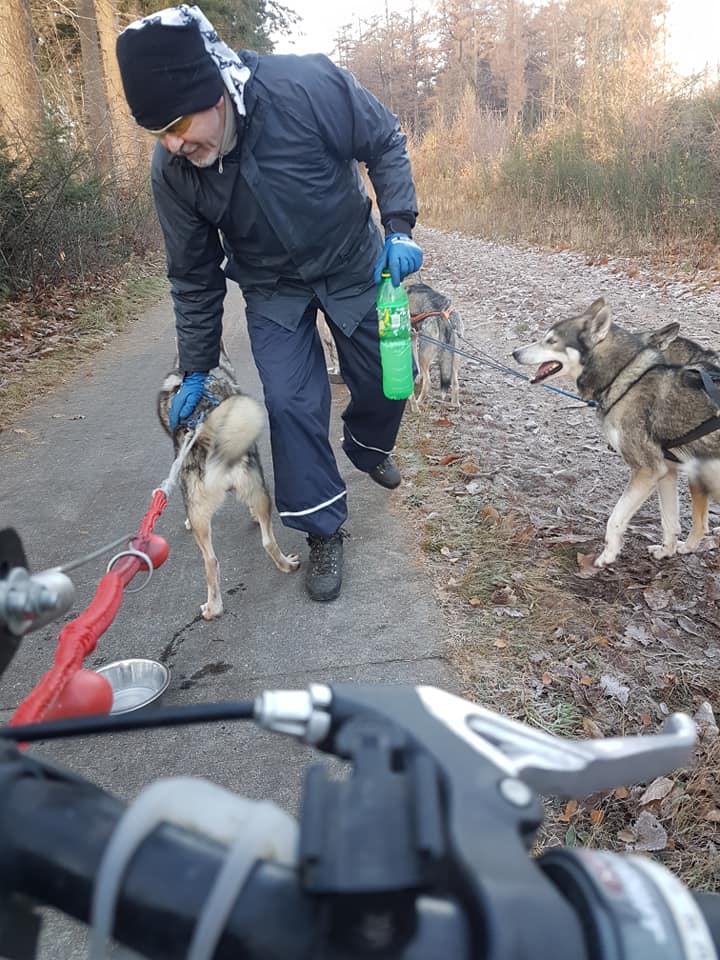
<point>392,319</point>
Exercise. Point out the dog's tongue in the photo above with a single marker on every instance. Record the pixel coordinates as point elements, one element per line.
<point>545,370</point>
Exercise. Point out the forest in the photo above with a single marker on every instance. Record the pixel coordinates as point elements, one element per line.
<point>561,124</point>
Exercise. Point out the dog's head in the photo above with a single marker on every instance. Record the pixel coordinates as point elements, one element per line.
<point>567,344</point>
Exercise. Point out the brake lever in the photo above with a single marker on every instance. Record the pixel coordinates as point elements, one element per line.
<point>550,765</point>
<point>561,767</point>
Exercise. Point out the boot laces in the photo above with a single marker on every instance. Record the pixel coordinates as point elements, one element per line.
<point>324,552</point>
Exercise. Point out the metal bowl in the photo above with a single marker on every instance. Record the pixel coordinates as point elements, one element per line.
<point>135,683</point>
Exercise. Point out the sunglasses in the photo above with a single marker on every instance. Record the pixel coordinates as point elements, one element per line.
<point>178,126</point>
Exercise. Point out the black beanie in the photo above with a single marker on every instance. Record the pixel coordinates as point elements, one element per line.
<point>166,72</point>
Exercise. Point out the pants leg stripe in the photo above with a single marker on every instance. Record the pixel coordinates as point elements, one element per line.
<point>320,506</point>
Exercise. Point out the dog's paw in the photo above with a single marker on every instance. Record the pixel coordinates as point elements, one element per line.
<point>292,561</point>
<point>210,611</point>
<point>660,552</point>
<point>685,547</point>
<point>605,559</point>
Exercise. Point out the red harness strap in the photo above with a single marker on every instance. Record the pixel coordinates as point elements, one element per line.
<point>79,637</point>
<point>419,317</point>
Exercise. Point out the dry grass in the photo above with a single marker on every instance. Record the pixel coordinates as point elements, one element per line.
<point>532,640</point>
<point>96,318</point>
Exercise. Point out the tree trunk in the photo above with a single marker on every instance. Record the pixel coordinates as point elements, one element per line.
<point>21,105</point>
<point>131,145</point>
<point>99,134</point>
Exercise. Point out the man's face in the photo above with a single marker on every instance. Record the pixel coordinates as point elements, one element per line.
<point>202,140</point>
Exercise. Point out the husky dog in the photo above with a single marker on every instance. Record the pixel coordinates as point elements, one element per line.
<point>654,402</point>
<point>223,457</point>
<point>433,315</point>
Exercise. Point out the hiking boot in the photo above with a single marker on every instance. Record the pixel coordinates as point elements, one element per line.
<point>323,573</point>
<point>386,474</point>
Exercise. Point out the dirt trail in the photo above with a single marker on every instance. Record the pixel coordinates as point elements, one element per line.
<point>509,493</point>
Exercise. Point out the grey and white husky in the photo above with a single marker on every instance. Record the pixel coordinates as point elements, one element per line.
<point>223,458</point>
<point>656,410</point>
<point>434,316</point>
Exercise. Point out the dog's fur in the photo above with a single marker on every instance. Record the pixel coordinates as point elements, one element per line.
<point>648,393</point>
<point>223,458</point>
<point>444,324</point>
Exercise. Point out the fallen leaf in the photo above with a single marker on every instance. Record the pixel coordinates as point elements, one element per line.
<point>490,513</point>
<point>657,790</point>
<point>657,599</point>
<point>645,719</point>
<point>601,641</point>
<point>443,422</point>
<point>547,679</point>
<point>475,602</point>
<point>621,793</point>
<point>501,644</point>
<point>470,469</point>
<point>597,817</point>
<point>592,729</point>
<point>651,833</point>
<point>569,811</point>
<point>450,458</point>
<point>713,816</point>
<point>705,719</point>
<point>612,687</point>
<point>686,624</point>
<point>586,681</point>
<point>635,631</point>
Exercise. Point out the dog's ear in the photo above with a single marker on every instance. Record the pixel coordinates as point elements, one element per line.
<point>599,325</point>
<point>662,338</point>
<point>595,307</point>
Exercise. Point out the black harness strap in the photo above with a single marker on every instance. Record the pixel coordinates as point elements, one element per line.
<point>656,366</point>
<point>707,426</point>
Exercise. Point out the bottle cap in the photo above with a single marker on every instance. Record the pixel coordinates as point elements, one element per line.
<point>385,274</point>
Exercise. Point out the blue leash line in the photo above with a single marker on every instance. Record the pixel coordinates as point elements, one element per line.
<point>487,361</point>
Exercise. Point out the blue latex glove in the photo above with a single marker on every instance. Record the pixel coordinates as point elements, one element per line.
<point>401,256</point>
<point>187,398</point>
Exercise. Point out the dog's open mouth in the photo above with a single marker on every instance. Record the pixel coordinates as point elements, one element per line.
<point>546,370</point>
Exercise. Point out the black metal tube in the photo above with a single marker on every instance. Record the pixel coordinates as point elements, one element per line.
<point>53,834</point>
<point>52,837</point>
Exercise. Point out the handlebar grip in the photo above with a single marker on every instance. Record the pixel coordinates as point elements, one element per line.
<point>52,837</point>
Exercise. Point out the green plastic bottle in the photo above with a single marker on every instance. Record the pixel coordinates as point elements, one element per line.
<point>394,332</point>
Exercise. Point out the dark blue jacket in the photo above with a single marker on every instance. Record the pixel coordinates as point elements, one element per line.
<point>287,205</point>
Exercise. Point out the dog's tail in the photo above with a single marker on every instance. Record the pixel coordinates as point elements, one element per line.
<point>232,428</point>
<point>448,328</point>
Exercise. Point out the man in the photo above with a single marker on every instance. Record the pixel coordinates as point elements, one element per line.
<point>257,161</point>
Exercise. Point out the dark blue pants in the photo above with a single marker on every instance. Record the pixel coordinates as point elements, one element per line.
<point>310,494</point>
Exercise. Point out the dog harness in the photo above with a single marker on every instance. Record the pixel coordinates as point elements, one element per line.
<point>419,317</point>
<point>710,425</point>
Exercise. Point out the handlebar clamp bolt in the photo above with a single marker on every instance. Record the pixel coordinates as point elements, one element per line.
<point>516,792</point>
